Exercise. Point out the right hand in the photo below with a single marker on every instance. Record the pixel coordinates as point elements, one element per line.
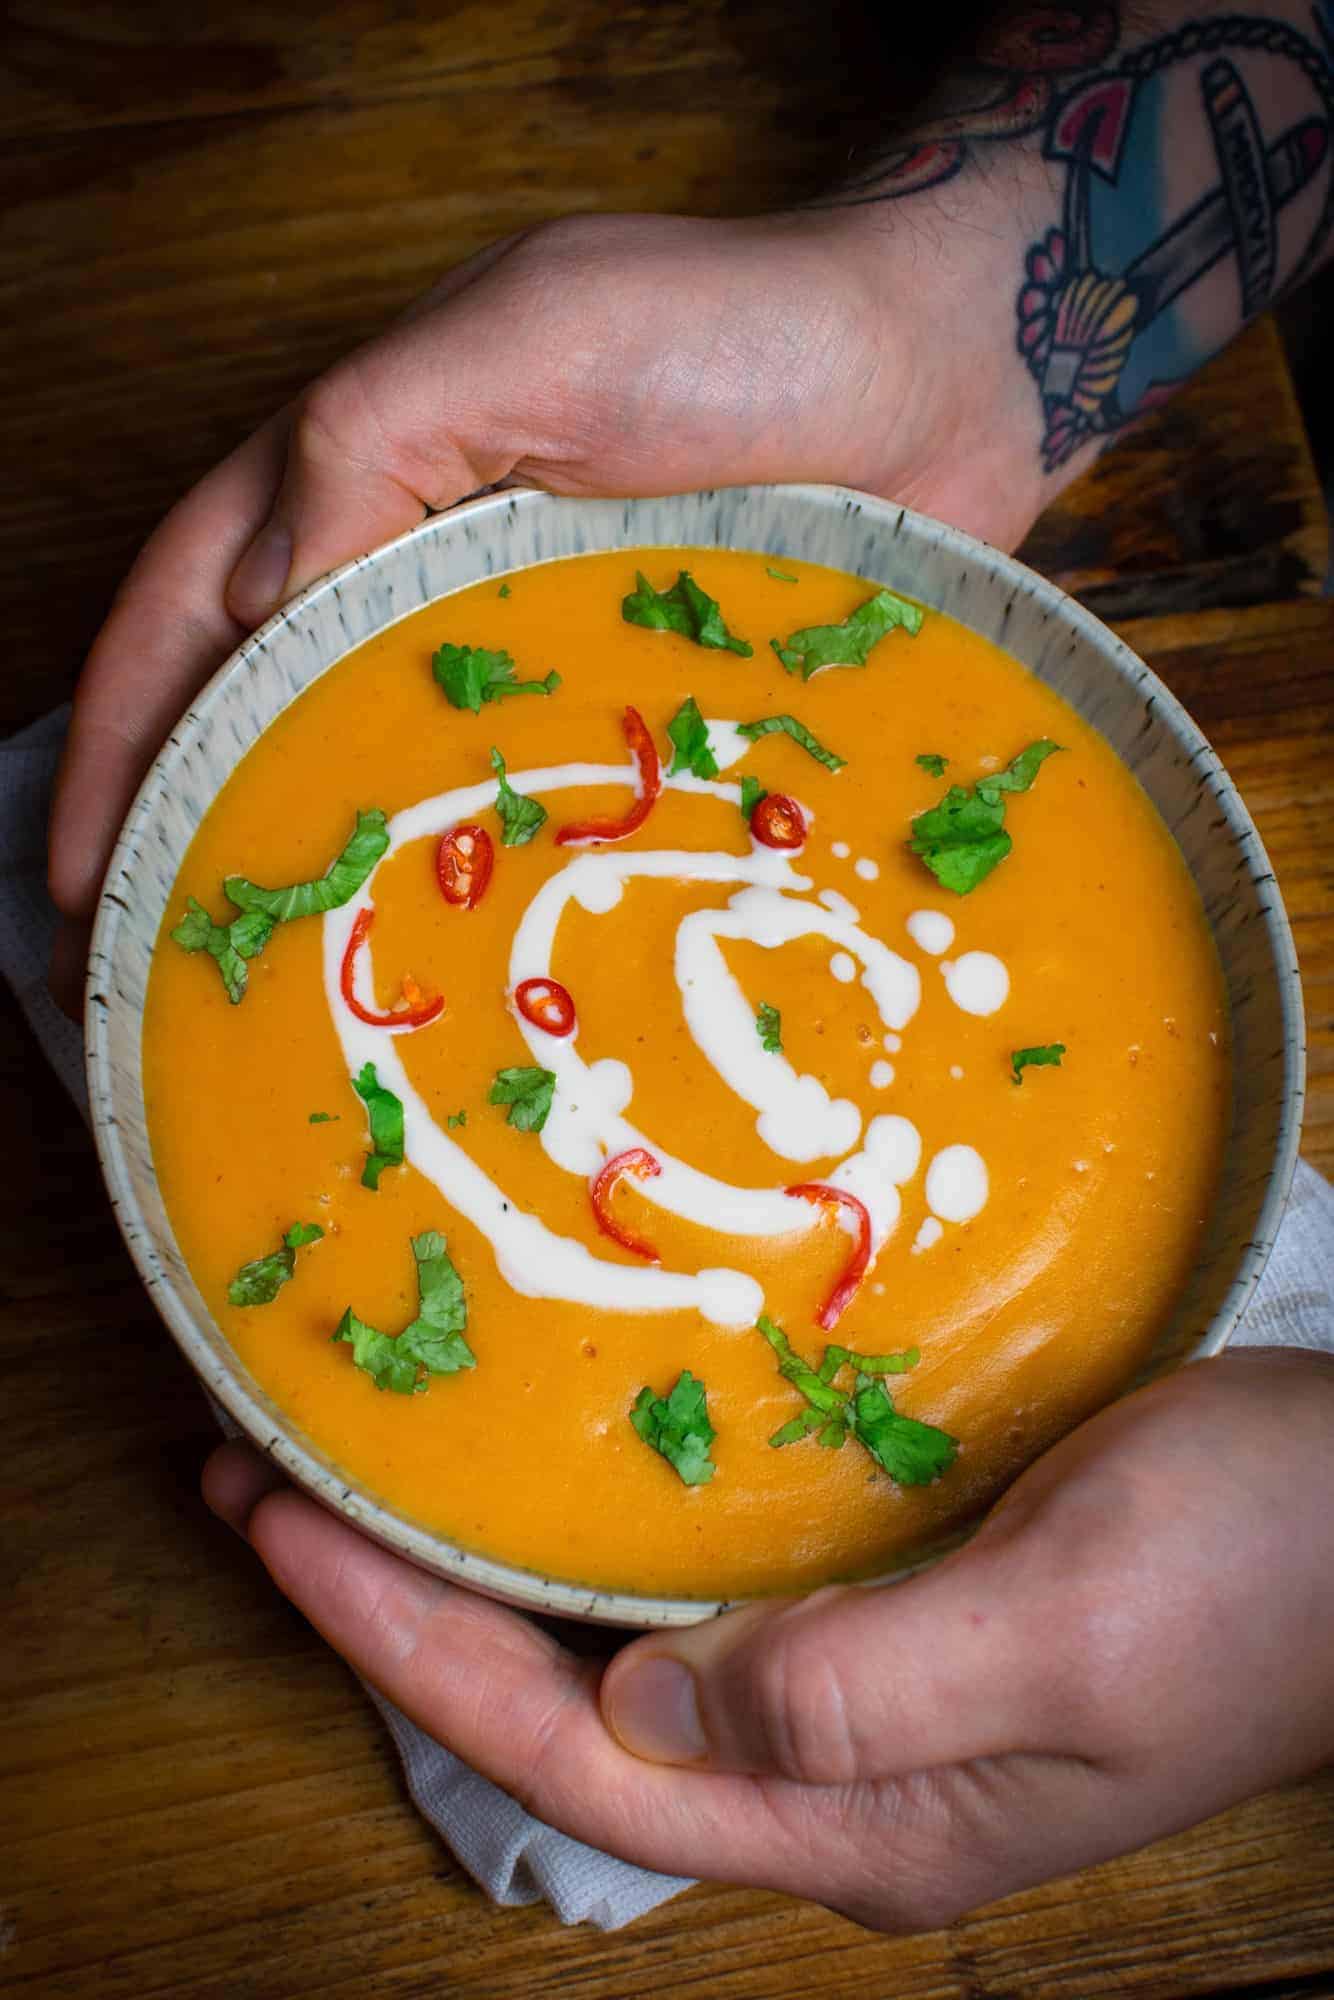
<point>600,355</point>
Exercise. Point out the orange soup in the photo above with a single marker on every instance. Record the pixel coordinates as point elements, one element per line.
<point>676,1112</point>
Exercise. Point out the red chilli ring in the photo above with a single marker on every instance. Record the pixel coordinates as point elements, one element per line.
<point>778,821</point>
<point>546,1004</point>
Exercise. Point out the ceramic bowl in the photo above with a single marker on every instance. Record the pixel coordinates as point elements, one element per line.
<point>886,544</point>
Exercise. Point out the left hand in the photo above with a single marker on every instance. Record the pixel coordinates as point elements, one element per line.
<point>1141,1634</point>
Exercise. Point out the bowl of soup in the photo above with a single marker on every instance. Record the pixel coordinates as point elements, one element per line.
<point>655,1052</point>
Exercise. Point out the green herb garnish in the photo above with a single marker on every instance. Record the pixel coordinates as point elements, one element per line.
<point>690,738</point>
<point>752,791</point>
<point>528,1094</point>
<point>686,609</point>
<point>322,1118</point>
<point>259,1283</point>
<point>385,1114</point>
<point>432,1343</point>
<point>932,763</point>
<point>228,945</point>
<point>780,575</point>
<point>470,675</point>
<point>1046,1056</point>
<point>455,1119</point>
<point>520,818</point>
<point>848,644</point>
<point>678,1427</point>
<point>912,1453</point>
<point>504,590</point>
<point>769,1028</point>
<point>338,885</point>
<point>787,725</point>
<point>963,838</point>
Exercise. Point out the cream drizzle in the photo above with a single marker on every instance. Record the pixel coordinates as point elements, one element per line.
<point>586,1125</point>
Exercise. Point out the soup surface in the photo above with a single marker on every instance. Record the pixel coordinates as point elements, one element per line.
<point>649,1036</point>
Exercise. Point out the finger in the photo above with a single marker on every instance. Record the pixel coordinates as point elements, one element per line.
<point>508,1699</point>
<point>68,968</point>
<point>166,633</point>
<point>846,1685</point>
<point>235,1479</point>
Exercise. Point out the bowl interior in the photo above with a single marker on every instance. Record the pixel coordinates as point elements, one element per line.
<point>944,568</point>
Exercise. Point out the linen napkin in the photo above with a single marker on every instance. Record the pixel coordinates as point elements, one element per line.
<point>514,1857</point>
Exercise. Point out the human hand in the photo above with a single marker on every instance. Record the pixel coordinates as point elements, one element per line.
<point>1141,1634</point>
<point>611,355</point>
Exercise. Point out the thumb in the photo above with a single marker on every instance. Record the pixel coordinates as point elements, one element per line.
<point>380,439</point>
<point>853,1683</point>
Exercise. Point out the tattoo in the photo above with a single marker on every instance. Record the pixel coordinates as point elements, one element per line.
<point>1105,320</point>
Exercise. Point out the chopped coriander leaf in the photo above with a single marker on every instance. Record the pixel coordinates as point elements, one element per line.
<point>384,1112</point>
<point>912,1453</point>
<point>455,1119</point>
<point>520,818</point>
<point>752,791</point>
<point>259,1283</point>
<point>787,725</point>
<point>781,576</point>
<point>470,675</point>
<point>963,838</point>
<point>690,740</point>
<point>1047,1055</point>
<point>339,883</point>
<point>686,609</point>
<point>504,590</point>
<point>528,1093</point>
<point>228,945</point>
<point>769,1028</point>
<point>848,644</point>
<point>1020,774</point>
<point>932,763</point>
<point>836,1357</point>
<point>678,1427</point>
<point>822,1398</point>
<point>432,1343</point>
<point>322,1118</point>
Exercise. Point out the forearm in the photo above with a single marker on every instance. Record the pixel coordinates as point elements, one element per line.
<point>1159,175</point>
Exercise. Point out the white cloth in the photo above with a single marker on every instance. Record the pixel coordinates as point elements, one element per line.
<point>514,1857</point>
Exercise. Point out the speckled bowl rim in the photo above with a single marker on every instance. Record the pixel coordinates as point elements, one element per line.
<point>223,1375</point>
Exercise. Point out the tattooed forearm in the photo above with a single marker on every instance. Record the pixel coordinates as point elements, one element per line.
<point>1193,174</point>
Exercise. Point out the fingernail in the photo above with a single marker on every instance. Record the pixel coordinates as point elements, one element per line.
<point>257,582</point>
<point>653,1708</point>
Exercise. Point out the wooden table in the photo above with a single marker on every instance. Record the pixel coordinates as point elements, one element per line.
<point>197,1801</point>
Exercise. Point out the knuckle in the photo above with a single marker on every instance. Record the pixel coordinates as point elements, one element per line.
<point>800,1702</point>
<point>563,241</point>
<point>336,422</point>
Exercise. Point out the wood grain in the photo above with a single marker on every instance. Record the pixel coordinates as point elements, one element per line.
<point>196,1801</point>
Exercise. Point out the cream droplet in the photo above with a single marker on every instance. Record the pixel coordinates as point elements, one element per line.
<point>844,967</point>
<point>931,931</point>
<point>977,983</point>
<point>930,1232</point>
<point>956,1184</point>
